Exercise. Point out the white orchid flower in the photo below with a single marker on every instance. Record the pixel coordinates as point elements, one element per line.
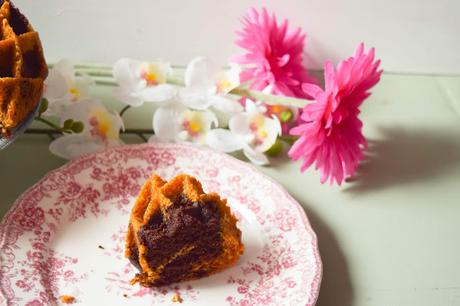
<point>250,131</point>
<point>175,122</point>
<point>206,86</point>
<point>140,82</point>
<point>63,87</point>
<point>101,130</point>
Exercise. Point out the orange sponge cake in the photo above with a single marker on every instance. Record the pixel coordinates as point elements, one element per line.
<point>177,232</point>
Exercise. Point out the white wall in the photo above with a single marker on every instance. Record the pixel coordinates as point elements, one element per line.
<point>410,36</point>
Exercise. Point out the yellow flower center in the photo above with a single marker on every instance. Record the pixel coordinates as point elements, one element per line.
<point>223,86</point>
<point>193,123</point>
<point>152,74</point>
<point>76,94</point>
<point>258,121</point>
<point>101,125</point>
<point>256,125</point>
<point>195,127</point>
<point>151,78</point>
<point>263,134</point>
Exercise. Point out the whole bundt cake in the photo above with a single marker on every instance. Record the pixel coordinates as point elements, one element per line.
<point>22,67</point>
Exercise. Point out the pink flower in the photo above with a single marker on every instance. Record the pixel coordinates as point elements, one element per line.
<point>330,132</point>
<point>273,62</point>
<point>274,55</point>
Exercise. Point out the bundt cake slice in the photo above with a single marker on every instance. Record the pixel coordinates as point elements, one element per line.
<point>22,67</point>
<point>177,232</point>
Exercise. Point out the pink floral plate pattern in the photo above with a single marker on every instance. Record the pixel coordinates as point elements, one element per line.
<point>65,235</point>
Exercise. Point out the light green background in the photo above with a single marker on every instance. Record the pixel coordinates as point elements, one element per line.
<point>390,237</point>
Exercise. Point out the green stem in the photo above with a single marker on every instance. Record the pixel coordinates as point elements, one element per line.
<point>269,99</point>
<point>175,81</point>
<point>124,109</point>
<point>93,72</point>
<point>141,135</point>
<point>288,139</point>
<point>51,124</point>
<point>54,132</point>
<point>107,82</point>
<point>51,133</point>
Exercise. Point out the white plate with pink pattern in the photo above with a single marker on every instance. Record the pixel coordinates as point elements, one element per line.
<point>65,235</point>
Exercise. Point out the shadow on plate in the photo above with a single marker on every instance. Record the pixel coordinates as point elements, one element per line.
<point>336,286</point>
<point>405,156</point>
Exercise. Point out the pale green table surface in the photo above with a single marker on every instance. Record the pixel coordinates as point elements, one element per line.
<point>390,237</point>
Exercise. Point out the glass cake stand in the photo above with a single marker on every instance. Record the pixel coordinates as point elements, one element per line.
<point>19,129</point>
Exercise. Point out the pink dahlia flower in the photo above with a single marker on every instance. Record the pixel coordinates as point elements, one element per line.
<point>274,56</point>
<point>330,130</point>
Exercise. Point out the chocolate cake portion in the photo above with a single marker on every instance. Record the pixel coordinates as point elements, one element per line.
<point>18,22</point>
<point>32,64</point>
<point>177,232</point>
<point>190,225</point>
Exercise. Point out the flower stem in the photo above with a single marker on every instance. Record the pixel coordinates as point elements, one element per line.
<point>107,82</point>
<point>124,109</point>
<point>269,99</point>
<point>175,81</point>
<point>288,139</point>
<point>51,124</point>
<point>51,133</point>
<point>93,72</point>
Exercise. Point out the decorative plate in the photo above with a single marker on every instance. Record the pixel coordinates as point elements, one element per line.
<point>65,235</point>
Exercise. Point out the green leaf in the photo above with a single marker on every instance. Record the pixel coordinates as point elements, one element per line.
<point>275,149</point>
<point>286,116</point>
<point>289,139</point>
<point>77,127</point>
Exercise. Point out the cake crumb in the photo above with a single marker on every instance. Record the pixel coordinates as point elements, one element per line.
<point>125,295</point>
<point>101,247</point>
<point>67,299</point>
<point>177,298</point>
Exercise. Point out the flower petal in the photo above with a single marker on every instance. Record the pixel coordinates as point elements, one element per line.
<point>272,128</point>
<point>225,105</point>
<point>82,84</point>
<point>127,96</point>
<point>200,73</point>
<point>255,157</point>
<point>55,85</point>
<point>239,124</point>
<point>224,140</point>
<point>125,72</point>
<point>65,67</point>
<point>165,121</point>
<point>57,107</point>
<point>209,119</point>
<point>195,98</point>
<point>159,93</point>
<point>254,107</point>
<point>228,79</point>
<point>73,146</point>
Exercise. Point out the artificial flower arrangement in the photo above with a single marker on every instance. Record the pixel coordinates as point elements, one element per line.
<point>264,97</point>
